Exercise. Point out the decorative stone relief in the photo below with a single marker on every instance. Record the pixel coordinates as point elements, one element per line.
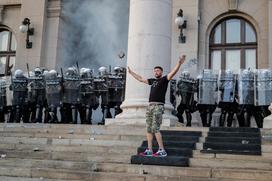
<point>233,4</point>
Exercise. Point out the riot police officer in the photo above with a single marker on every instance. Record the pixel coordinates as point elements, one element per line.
<point>102,92</point>
<point>227,103</point>
<point>116,84</point>
<point>53,96</point>
<point>245,97</point>
<point>19,88</point>
<point>88,99</point>
<point>263,95</point>
<point>71,85</point>
<point>186,90</point>
<point>206,93</point>
<point>36,95</point>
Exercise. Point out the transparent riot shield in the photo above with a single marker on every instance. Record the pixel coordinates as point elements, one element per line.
<point>186,90</point>
<point>245,87</point>
<point>207,87</point>
<point>263,87</point>
<point>71,90</point>
<point>226,86</point>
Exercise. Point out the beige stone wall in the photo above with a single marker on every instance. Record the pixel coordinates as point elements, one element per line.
<point>254,11</point>
<point>44,17</point>
<point>270,33</point>
<point>35,11</point>
<point>190,48</point>
<point>52,33</point>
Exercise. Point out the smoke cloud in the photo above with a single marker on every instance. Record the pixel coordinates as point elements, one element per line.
<point>94,32</point>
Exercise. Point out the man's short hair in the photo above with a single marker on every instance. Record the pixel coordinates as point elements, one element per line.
<point>158,67</point>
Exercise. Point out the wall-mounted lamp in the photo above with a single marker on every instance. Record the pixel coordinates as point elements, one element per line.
<point>24,28</point>
<point>182,24</point>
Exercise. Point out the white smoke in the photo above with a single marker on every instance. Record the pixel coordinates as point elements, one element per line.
<point>94,32</point>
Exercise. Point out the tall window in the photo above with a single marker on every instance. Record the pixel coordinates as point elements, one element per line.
<point>233,45</point>
<point>7,51</point>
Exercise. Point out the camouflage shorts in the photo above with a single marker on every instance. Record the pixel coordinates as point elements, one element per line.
<point>154,118</point>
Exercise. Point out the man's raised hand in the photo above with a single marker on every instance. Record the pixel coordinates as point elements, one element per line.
<point>182,59</point>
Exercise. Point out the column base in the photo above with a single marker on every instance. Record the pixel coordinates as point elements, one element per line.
<point>267,122</point>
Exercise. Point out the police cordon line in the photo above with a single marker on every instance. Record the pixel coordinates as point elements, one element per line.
<point>44,96</point>
<point>246,94</point>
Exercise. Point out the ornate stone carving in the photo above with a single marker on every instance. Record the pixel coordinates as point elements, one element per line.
<point>233,4</point>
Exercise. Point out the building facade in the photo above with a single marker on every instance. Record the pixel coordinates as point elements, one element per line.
<point>220,34</point>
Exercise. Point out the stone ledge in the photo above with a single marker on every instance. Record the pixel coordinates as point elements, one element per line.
<point>138,122</point>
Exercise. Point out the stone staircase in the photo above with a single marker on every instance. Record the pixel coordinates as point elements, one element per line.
<point>179,146</point>
<point>35,152</point>
<point>244,141</point>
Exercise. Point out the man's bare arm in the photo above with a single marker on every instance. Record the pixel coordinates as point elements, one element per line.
<point>176,68</point>
<point>137,77</point>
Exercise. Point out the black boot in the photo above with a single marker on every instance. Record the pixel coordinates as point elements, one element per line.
<point>222,118</point>
<point>188,118</point>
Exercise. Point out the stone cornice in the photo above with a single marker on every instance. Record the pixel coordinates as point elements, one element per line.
<point>10,2</point>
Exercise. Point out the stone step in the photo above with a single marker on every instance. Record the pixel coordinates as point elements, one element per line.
<point>72,129</point>
<point>234,134</point>
<point>170,144</point>
<point>106,167</point>
<point>229,163</point>
<point>186,152</point>
<point>122,170</point>
<point>57,141</point>
<point>231,146</point>
<point>181,138</point>
<point>119,177</point>
<point>154,170</point>
<point>87,129</point>
<point>222,174</point>
<point>236,152</point>
<point>70,148</point>
<point>47,173</point>
<point>162,161</point>
<point>248,140</point>
<point>37,163</point>
<point>241,129</point>
<point>258,158</point>
<point>68,156</point>
<point>59,174</point>
<point>180,133</point>
<point>73,136</point>
<point>3,178</point>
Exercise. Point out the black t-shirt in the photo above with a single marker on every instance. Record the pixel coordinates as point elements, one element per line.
<point>158,89</point>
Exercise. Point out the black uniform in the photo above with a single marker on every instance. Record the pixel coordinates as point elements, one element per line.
<point>186,90</point>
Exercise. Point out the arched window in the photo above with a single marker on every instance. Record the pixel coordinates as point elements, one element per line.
<point>7,51</point>
<point>233,45</point>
